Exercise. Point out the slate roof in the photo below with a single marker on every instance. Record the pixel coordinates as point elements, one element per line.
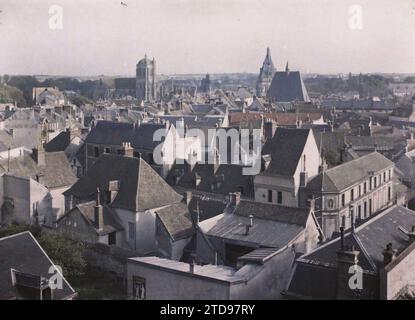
<point>208,205</point>
<point>285,148</point>
<point>287,86</point>
<point>59,143</point>
<point>273,212</point>
<point>227,178</point>
<point>115,133</point>
<point>24,254</point>
<point>315,273</point>
<point>343,176</point>
<point>140,187</point>
<point>56,173</point>
<point>177,221</point>
<point>6,141</point>
<point>87,210</point>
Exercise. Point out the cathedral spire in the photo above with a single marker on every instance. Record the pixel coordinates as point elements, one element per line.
<point>287,69</point>
<point>268,52</point>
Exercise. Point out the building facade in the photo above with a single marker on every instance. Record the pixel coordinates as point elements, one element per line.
<point>146,88</point>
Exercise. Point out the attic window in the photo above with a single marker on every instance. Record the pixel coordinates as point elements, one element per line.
<point>107,150</point>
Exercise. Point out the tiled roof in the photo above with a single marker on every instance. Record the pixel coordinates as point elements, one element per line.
<point>140,187</point>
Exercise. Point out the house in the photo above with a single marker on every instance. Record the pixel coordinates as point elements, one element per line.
<point>23,126</point>
<point>92,222</point>
<point>290,158</point>
<point>23,200</point>
<point>364,185</point>
<point>174,230</point>
<point>246,226</point>
<point>381,249</point>
<point>108,137</point>
<point>256,277</point>
<point>132,190</point>
<point>49,169</point>
<point>27,273</point>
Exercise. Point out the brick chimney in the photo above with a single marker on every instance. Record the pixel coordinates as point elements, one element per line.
<point>234,198</point>
<point>39,155</point>
<point>98,213</point>
<point>127,150</point>
<point>346,258</point>
<point>303,178</point>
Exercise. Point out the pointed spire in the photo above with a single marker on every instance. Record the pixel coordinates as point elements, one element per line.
<point>287,69</point>
<point>268,52</point>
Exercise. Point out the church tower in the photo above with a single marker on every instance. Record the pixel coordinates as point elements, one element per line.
<point>146,80</point>
<point>266,73</point>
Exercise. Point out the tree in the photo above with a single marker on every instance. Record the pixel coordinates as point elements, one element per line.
<point>63,251</point>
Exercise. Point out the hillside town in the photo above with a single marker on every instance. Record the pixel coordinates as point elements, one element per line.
<point>283,184</point>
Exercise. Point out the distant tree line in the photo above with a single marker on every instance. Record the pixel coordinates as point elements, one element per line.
<point>365,85</point>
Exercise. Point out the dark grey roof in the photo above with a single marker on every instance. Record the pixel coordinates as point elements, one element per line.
<point>115,133</point>
<point>285,149</point>
<point>347,174</point>
<point>372,238</point>
<point>314,276</point>
<point>268,211</point>
<point>140,187</point>
<point>59,143</point>
<point>208,205</point>
<point>287,86</point>
<point>87,210</point>
<point>177,221</point>
<point>260,255</point>
<point>24,254</point>
<point>227,178</point>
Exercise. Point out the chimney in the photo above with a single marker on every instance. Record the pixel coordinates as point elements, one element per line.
<point>388,254</point>
<point>98,213</point>
<point>250,225</point>
<point>39,155</point>
<point>270,126</point>
<point>234,198</point>
<point>192,264</point>
<point>346,258</point>
<point>127,150</point>
<point>303,178</point>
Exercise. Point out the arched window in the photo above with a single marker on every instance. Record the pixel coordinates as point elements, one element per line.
<point>330,203</point>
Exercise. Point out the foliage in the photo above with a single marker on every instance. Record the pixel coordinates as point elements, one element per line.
<point>65,252</point>
<point>10,94</point>
<point>81,100</point>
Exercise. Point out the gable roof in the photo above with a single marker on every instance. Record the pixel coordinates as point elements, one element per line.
<point>140,187</point>
<point>335,179</point>
<point>23,253</point>
<point>177,221</point>
<point>87,211</point>
<point>285,148</point>
<point>56,173</point>
<point>287,86</point>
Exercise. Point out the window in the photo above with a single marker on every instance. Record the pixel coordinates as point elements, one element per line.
<point>365,209</point>
<point>360,190</point>
<point>107,150</point>
<point>344,221</point>
<point>139,288</point>
<point>364,188</point>
<point>352,194</point>
<point>269,195</point>
<point>374,182</point>
<point>343,200</point>
<point>389,174</point>
<point>359,211</point>
<point>370,183</point>
<point>112,238</point>
<point>389,193</point>
<point>96,152</point>
<point>279,197</point>
<point>384,176</point>
<point>131,231</point>
<point>330,203</point>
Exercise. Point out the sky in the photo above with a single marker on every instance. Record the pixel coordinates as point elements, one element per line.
<point>97,37</point>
